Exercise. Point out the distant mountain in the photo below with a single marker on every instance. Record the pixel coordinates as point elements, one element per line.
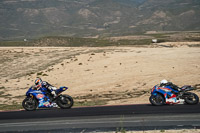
<point>84,18</point>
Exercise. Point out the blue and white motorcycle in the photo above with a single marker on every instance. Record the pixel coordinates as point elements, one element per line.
<point>167,95</point>
<point>42,98</point>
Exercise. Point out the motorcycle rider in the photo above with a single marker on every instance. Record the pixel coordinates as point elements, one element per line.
<point>39,84</point>
<point>164,83</point>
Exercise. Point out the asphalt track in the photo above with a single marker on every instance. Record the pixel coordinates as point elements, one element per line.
<point>102,118</point>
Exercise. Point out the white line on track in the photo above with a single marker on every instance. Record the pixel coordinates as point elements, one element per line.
<point>97,121</point>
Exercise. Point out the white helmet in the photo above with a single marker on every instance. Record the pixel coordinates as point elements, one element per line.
<point>164,81</point>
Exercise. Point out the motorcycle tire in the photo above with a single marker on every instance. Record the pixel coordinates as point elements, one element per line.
<point>157,100</point>
<point>29,104</point>
<point>191,98</point>
<point>65,101</point>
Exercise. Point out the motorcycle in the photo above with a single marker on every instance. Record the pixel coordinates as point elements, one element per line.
<point>167,95</point>
<point>42,98</point>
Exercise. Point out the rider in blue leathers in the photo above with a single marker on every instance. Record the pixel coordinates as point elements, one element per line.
<point>39,84</point>
<point>166,83</point>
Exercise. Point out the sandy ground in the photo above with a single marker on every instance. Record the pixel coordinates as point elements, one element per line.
<point>115,75</point>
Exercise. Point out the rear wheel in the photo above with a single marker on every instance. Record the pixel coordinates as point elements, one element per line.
<point>157,100</point>
<point>29,104</point>
<point>191,98</point>
<point>65,101</point>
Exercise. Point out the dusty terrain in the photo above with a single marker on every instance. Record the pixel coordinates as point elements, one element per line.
<point>107,75</point>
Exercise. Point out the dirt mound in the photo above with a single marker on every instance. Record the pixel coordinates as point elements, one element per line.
<point>107,75</point>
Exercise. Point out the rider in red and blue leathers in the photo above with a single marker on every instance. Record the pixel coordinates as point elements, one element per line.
<point>164,83</point>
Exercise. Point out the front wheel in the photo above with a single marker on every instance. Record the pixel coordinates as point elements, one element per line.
<point>29,104</point>
<point>191,98</point>
<point>65,101</point>
<point>157,100</point>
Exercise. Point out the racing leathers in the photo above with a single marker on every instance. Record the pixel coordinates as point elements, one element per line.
<point>173,86</point>
<point>48,86</point>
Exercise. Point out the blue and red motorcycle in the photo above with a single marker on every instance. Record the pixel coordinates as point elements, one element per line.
<point>167,95</point>
<point>42,98</point>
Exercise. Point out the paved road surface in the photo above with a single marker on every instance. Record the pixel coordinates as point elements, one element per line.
<point>102,118</point>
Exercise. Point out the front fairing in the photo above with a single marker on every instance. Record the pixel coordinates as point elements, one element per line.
<point>33,92</point>
<point>40,95</point>
<point>154,89</point>
<point>29,91</point>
